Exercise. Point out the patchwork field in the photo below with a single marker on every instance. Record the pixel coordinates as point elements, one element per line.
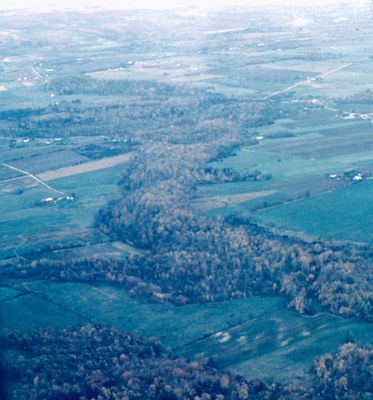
<point>71,120</point>
<point>316,161</point>
<point>344,214</point>
<point>29,225</point>
<point>85,167</point>
<point>256,336</point>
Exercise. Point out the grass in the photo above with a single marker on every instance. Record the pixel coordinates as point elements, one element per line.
<point>49,160</point>
<point>86,167</point>
<point>25,221</point>
<point>7,293</point>
<point>345,214</point>
<point>307,200</point>
<point>235,199</point>
<point>326,208</point>
<point>15,313</point>
<point>246,335</point>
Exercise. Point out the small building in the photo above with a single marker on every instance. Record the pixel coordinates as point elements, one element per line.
<point>357,178</point>
<point>47,200</point>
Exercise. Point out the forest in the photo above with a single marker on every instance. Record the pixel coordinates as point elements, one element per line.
<point>188,257</point>
<point>98,362</point>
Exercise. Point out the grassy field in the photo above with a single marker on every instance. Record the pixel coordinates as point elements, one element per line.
<point>344,214</point>
<point>301,154</point>
<point>48,160</point>
<point>256,336</point>
<point>28,225</point>
<point>85,167</point>
<point>232,199</point>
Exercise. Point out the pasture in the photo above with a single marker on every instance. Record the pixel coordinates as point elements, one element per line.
<point>255,336</point>
<point>28,225</point>
<point>344,214</point>
<point>311,158</point>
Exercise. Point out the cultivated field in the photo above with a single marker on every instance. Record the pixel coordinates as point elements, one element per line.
<point>85,167</point>
<point>312,159</point>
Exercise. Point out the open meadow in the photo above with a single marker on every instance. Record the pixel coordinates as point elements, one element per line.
<point>246,335</point>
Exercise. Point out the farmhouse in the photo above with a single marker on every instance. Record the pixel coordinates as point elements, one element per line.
<point>47,200</point>
<point>357,178</point>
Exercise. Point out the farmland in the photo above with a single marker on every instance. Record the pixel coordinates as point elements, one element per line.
<point>325,214</point>
<point>310,166</point>
<point>246,335</point>
<point>194,185</point>
<point>30,226</point>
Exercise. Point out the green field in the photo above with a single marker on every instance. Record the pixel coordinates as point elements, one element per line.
<point>344,214</point>
<point>28,225</point>
<point>301,155</point>
<point>255,336</point>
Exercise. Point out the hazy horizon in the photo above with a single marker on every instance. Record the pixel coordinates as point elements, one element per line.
<point>148,4</point>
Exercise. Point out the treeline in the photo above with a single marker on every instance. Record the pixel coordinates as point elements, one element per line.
<point>139,110</point>
<point>220,175</point>
<point>82,84</point>
<point>193,258</point>
<point>189,258</point>
<point>346,375</point>
<point>365,97</point>
<point>94,362</point>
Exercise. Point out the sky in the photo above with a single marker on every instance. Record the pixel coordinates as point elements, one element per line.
<point>148,4</point>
